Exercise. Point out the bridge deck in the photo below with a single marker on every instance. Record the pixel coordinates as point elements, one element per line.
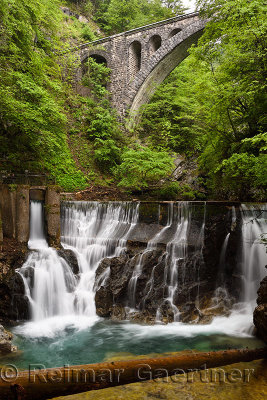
<point>140,29</point>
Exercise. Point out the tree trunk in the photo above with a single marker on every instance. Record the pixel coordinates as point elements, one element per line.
<point>42,384</point>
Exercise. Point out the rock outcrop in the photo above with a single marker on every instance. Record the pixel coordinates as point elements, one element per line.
<point>70,258</point>
<point>14,304</point>
<point>260,312</point>
<point>6,345</point>
<point>197,295</point>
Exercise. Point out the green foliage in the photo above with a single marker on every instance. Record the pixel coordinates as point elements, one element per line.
<point>32,118</point>
<point>234,46</point>
<point>175,191</point>
<point>143,167</point>
<point>240,171</point>
<point>87,33</point>
<point>107,153</point>
<point>96,78</point>
<point>213,105</point>
<point>102,124</point>
<point>167,121</point>
<point>122,15</point>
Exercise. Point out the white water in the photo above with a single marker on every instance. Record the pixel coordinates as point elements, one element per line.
<point>178,229</point>
<point>60,299</point>
<point>176,252</point>
<point>48,279</point>
<point>57,297</point>
<point>253,259</point>
<point>95,231</point>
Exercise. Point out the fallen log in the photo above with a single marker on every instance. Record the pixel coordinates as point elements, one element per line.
<point>42,384</point>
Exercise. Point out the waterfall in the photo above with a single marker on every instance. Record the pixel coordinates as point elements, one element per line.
<point>177,230</point>
<point>152,244</point>
<point>93,231</point>
<point>176,252</point>
<point>253,255</point>
<point>49,281</point>
<point>222,263</point>
<point>37,235</point>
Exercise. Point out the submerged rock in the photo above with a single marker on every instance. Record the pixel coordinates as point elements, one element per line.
<point>6,345</point>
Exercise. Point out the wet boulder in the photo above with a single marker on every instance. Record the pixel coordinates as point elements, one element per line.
<point>70,257</point>
<point>6,345</point>
<point>260,312</point>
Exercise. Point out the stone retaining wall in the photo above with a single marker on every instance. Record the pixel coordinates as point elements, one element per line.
<point>15,211</point>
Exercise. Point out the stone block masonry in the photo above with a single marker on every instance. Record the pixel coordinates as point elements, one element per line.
<point>15,212</point>
<point>22,213</point>
<point>140,59</point>
<point>52,216</point>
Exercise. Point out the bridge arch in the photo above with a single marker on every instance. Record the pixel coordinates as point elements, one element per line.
<point>174,32</point>
<point>99,55</point>
<point>135,58</point>
<point>100,59</point>
<point>154,44</point>
<point>140,59</point>
<point>171,56</point>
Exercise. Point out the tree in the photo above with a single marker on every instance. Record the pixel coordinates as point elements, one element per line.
<point>122,15</point>
<point>214,104</point>
<point>176,5</point>
<point>143,167</point>
<point>234,46</point>
<point>32,118</point>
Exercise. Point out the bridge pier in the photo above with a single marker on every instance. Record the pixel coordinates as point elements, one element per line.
<point>52,215</point>
<point>22,214</point>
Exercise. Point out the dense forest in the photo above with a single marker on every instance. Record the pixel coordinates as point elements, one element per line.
<point>209,112</point>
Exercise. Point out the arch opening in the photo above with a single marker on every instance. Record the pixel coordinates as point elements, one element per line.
<point>158,73</point>
<point>135,51</point>
<point>154,44</point>
<point>89,71</point>
<point>174,32</point>
<point>97,58</point>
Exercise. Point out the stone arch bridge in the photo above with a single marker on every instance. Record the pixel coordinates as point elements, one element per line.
<point>140,59</point>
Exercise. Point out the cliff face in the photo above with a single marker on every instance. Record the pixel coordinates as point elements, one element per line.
<point>13,303</point>
<point>260,312</point>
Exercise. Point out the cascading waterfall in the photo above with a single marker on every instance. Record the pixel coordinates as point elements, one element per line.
<point>176,253</point>
<point>252,262</point>
<point>221,296</point>
<point>152,244</point>
<point>253,257</point>
<point>48,279</point>
<point>94,231</point>
<point>177,229</point>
